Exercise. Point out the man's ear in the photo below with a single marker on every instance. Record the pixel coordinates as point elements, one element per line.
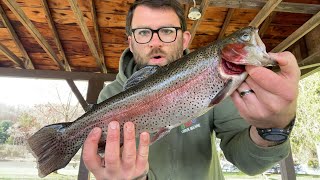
<point>130,42</point>
<point>186,39</point>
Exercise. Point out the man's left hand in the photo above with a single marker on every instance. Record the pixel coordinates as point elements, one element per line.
<point>274,101</point>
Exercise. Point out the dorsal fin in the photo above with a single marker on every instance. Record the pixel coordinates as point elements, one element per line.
<point>140,75</point>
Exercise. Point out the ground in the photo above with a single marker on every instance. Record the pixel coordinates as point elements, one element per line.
<point>26,170</point>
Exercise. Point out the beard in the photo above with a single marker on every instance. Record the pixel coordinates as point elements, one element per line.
<point>142,59</point>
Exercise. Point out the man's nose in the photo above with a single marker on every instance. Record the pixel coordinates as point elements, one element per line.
<point>155,41</point>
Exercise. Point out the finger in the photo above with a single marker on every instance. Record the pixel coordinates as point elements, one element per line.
<point>273,82</point>
<point>243,103</point>
<point>289,71</point>
<point>239,103</point>
<point>90,148</point>
<point>112,151</point>
<point>287,63</point>
<point>143,152</point>
<point>269,101</point>
<point>129,147</point>
<point>265,77</point>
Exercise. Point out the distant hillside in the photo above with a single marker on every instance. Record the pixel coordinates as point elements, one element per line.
<point>10,112</point>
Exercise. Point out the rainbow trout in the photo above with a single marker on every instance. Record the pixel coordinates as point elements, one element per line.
<point>157,99</point>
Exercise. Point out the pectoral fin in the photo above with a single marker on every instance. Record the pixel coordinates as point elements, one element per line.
<point>139,76</point>
<point>222,94</point>
<point>160,134</point>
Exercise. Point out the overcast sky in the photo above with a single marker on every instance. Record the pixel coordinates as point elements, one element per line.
<point>23,91</point>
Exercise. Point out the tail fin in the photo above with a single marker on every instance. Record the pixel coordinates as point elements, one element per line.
<point>49,148</point>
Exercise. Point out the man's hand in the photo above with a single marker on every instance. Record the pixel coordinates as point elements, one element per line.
<point>128,164</point>
<point>274,101</point>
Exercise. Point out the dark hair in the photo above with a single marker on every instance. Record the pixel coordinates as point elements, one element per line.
<point>165,4</point>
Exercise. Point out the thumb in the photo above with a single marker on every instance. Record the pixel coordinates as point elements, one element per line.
<point>287,63</point>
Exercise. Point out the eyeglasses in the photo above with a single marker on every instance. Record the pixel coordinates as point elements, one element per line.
<point>165,34</point>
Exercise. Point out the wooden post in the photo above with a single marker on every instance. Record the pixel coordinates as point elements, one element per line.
<point>94,88</point>
<point>287,168</point>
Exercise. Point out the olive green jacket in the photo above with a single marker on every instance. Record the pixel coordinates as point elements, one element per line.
<point>189,151</point>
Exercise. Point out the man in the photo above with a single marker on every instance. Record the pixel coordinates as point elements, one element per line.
<point>190,153</point>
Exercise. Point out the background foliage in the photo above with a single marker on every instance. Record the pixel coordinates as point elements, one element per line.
<point>306,133</point>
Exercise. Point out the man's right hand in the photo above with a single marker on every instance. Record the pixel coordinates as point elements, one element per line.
<point>129,164</point>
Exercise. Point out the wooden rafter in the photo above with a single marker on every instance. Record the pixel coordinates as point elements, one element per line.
<point>53,74</point>
<point>97,31</point>
<point>266,24</point>
<point>86,33</point>
<point>17,11</point>
<point>9,54</point>
<point>310,66</point>
<point>55,33</point>
<point>186,10</point>
<point>310,61</point>
<point>77,93</point>
<point>310,73</point>
<point>203,7</point>
<point>313,22</point>
<point>264,12</point>
<point>250,4</point>
<point>27,63</point>
<point>226,23</point>
<point>70,82</point>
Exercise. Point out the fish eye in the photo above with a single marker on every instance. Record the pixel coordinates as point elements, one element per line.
<point>245,37</point>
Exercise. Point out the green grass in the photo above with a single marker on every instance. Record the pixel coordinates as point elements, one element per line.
<point>241,176</point>
<point>35,177</point>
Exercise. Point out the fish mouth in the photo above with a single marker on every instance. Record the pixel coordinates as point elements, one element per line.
<point>232,68</point>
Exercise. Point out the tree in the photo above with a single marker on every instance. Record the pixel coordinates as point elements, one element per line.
<point>62,112</point>
<point>306,131</point>
<point>4,134</point>
<point>23,129</point>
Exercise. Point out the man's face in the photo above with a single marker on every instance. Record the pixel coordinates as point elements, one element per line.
<point>157,52</point>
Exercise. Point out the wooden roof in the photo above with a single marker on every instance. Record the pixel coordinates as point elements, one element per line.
<point>89,36</point>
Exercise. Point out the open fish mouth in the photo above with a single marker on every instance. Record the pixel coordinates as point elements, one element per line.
<point>232,68</point>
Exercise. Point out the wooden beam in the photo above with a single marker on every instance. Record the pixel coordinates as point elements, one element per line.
<point>313,22</point>
<point>27,63</point>
<point>17,11</point>
<point>266,24</point>
<point>51,74</point>
<point>85,31</point>
<point>70,82</point>
<point>310,66</point>
<point>226,23</point>
<point>186,10</point>
<point>55,34</point>
<point>83,173</point>
<point>203,7</point>
<point>9,54</point>
<point>313,58</point>
<point>77,93</point>
<point>94,88</point>
<point>264,12</point>
<point>287,168</point>
<point>309,72</point>
<point>97,31</point>
<point>250,4</point>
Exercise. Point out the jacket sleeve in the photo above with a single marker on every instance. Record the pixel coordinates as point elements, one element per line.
<point>237,145</point>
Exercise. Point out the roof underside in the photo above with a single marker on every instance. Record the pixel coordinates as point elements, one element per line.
<point>89,36</point>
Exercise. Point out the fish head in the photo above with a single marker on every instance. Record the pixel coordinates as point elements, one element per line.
<point>243,47</point>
